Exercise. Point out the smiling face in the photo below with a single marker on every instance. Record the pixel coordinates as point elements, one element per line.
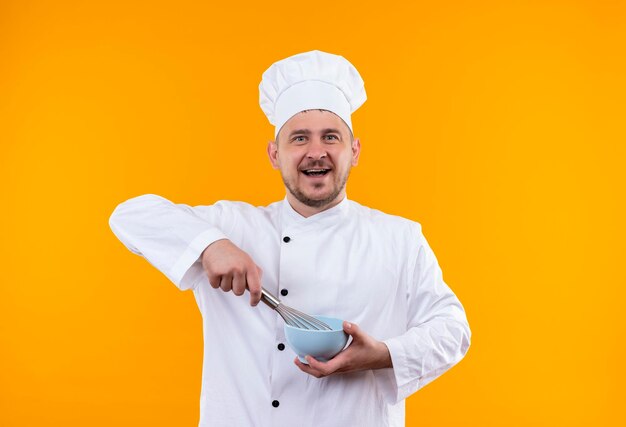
<point>314,151</point>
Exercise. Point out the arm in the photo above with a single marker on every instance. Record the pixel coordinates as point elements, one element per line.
<point>437,337</point>
<point>169,236</point>
<point>438,334</point>
<point>186,243</point>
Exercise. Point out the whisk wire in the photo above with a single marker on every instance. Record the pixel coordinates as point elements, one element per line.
<point>291,316</point>
<point>309,322</point>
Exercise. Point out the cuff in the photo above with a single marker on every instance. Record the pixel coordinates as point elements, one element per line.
<point>192,255</point>
<point>406,384</point>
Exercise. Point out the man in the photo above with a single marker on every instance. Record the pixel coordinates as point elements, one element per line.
<point>322,254</point>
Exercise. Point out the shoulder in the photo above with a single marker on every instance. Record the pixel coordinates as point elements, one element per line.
<point>397,236</point>
<point>243,212</point>
<point>385,222</point>
<point>245,208</point>
<point>234,217</point>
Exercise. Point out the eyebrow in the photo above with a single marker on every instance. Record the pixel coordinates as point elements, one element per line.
<point>308,132</point>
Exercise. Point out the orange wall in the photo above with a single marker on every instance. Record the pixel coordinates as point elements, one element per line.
<point>497,125</point>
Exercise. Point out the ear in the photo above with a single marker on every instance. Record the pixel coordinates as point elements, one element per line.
<point>356,151</point>
<point>272,153</point>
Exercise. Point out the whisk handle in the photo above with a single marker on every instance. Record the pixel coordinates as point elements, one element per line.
<point>269,299</point>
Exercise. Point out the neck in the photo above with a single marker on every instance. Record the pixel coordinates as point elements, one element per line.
<point>307,211</point>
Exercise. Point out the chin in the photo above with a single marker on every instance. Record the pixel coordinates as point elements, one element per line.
<point>318,197</point>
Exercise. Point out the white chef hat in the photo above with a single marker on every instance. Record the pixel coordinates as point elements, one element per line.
<point>310,80</point>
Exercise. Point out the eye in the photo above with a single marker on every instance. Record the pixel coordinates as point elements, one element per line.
<point>331,137</point>
<point>299,139</point>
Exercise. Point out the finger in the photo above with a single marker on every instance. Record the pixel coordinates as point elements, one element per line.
<point>239,284</point>
<point>253,280</point>
<point>327,368</point>
<point>214,280</point>
<point>226,283</point>
<point>318,366</point>
<point>307,368</point>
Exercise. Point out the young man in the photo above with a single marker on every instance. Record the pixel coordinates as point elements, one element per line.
<point>322,254</point>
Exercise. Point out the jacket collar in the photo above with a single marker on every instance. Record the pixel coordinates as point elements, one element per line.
<point>325,218</point>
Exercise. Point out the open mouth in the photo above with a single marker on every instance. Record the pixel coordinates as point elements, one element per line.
<point>315,172</point>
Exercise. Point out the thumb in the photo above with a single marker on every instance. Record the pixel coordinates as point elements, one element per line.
<point>352,329</point>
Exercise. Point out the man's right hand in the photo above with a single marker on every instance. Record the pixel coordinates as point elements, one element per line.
<point>231,269</point>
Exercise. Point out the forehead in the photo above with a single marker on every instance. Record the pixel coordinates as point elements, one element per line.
<point>315,120</point>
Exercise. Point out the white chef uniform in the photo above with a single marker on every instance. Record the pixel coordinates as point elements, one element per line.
<point>350,262</point>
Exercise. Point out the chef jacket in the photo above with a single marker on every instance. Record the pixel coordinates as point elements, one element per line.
<point>349,261</point>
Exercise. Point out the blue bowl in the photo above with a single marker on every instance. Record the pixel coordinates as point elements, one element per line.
<point>322,345</point>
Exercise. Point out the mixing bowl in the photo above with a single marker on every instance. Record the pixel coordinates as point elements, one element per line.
<point>322,345</point>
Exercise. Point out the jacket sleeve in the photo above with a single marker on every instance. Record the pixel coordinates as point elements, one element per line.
<point>438,334</point>
<point>169,236</point>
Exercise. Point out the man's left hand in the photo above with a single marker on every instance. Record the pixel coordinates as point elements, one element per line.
<point>364,352</point>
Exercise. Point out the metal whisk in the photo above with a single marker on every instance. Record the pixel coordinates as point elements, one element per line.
<point>291,316</point>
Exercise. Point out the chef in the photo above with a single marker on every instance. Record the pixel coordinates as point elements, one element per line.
<point>321,253</point>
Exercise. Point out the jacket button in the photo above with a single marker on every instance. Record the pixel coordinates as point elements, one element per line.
<point>286,239</point>
<point>275,403</point>
<point>284,292</point>
<point>281,346</point>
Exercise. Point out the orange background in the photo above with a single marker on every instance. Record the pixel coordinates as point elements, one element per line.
<point>499,126</point>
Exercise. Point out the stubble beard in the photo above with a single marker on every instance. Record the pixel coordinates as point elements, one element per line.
<point>317,203</point>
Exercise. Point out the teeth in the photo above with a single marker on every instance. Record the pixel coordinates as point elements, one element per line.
<point>315,172</point>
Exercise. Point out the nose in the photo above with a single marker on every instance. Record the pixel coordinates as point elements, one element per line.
<point>317,150</point>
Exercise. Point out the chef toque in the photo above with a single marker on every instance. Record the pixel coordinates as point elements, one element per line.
<point>310,80</point>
